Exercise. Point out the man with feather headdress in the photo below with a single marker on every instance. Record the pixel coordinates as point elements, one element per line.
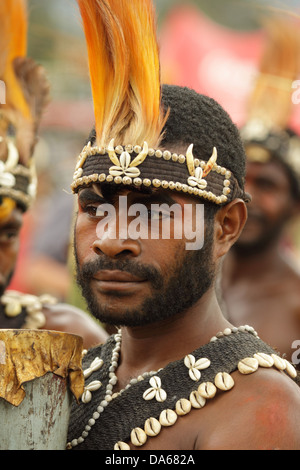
<point>260,283</point>
<point>177,375</point>
<point>26,95</point>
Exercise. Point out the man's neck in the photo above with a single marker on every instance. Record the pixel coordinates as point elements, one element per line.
<point>153,346</point>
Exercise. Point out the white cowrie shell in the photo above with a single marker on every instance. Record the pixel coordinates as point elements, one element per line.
<point>155,382</point>
<point>87,373</point>
<point>207,390</point>
<point>97,363</point>
<point>92,386</point>
<point>192,181</point>
<point>138,437</point>
<point>202,363</point>
<point>167,418</point>
<point>125,160</point>
<point>160,395</point>
<point>133,172</point>
<point>152,427</point>
<point>86,396</point>
<point>121,446</point>
<point>149,394</point>
<point>194,374</point>
<point>189,361</point>
<point>264,360</point>
<point>116,171</point>
<point>224,381</point>
<point>197,401</point>
<point>183,407</point>
<point>248,365</point>
<point>78,173</point>
<point>13,309</point>
<point>279,362</point>
<point>290,369</point>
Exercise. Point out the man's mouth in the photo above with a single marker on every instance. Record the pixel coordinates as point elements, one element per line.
<point>117,281</point>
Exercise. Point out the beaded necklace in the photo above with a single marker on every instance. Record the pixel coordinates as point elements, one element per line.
<point>193,366</point>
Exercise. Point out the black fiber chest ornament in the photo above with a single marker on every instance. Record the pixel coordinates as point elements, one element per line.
<point>108,422</point>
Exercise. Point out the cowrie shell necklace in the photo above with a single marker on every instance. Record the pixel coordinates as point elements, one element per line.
<point>206,390</point>
<point>109,395</point>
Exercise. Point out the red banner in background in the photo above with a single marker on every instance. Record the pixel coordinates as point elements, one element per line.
<point>214,60</point>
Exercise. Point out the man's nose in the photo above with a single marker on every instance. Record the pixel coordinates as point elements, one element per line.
<point>113,241</point>
<point>117,247</point>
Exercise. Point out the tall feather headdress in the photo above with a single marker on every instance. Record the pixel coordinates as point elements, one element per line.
<point>25,93</point>
<point>124,70</point>
<point>266,132</point>
<point>123,56</point>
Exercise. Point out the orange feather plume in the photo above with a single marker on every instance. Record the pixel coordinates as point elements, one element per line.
<point>124,70</point>
<point>271,99</point>
<point>13,44</point>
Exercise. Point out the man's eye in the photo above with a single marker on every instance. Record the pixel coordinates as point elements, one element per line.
<point>91,210</point>
<point>158,215</point>
<point>8,236</point>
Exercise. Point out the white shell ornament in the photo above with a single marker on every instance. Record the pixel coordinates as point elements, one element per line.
<point>95,365</point>
<point>224,381</point>
<point>183,407</point>
<point>197,401</point>
<point>152,427</point>
<point>124,165</point>
<point>248,365</point>
<point>279,363</point>
<point>290,369</point>
<point>121,446</point>
<point>207,390</point>
<point>155,391</point>
<point>138,437</point>
<point>195,366</point>
<point>264,360</point>
<point>167,418</point>
<point>91,387</point>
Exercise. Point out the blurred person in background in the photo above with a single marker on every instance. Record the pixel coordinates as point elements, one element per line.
<point>260,281</point>
<point>27,94</point>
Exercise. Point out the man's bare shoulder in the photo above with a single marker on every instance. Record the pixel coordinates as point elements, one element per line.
<point>262,411</point>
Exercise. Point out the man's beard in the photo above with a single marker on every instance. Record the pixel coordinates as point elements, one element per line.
<point>191,276</point>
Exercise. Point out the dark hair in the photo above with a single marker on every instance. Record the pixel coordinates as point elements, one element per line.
<point>200,120</point>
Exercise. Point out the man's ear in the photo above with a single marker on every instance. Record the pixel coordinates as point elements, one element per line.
<point>229,222</point>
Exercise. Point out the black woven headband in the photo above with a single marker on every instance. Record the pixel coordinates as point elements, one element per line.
<point>158,168</point>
